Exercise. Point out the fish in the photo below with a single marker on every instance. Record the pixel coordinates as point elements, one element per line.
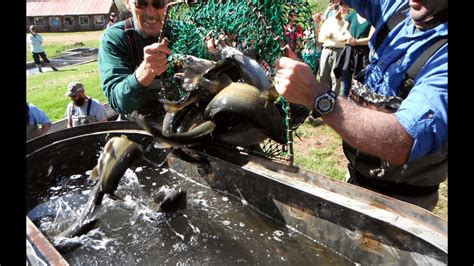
<point>203,78</point>
<point>193,137</point>
<point>114,159</point>
<point>116,156</point>
<point>194,83</point>
<point>248,104</point>
<point>250,71</point>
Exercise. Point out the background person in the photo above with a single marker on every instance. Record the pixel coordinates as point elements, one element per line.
<point>36,46</point>
<point>82,110</point>
<point>294,33</point>
<point>333,40</point>
<point>35,117</point>
<point>331,9</point>
<point>355,55</point>
<point>394,137</point>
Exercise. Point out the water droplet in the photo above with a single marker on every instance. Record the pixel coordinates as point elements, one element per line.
<point>50,169</point>
<point>75,177</point>
<point>278,233</point>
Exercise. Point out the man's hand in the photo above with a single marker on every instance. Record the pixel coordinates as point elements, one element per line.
<point>351,41</point>
<point>295,81</point>
<point>154,62</point>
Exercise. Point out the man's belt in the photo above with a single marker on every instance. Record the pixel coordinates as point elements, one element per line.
<point>390,188</point>
<point>332,48</point>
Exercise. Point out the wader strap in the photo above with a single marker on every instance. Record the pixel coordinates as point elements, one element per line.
<point>390,188</point>
<point>414,69</point>
<point>132,43</point>
<point>392,22</point>
<point>89,107</point>
<point>412,72</point>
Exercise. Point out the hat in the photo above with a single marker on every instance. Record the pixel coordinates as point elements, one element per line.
<point>74,88</point>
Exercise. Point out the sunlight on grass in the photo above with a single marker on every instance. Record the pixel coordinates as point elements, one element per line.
<point>46,90</point>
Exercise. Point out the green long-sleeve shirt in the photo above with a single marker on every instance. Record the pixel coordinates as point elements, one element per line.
<point>116,69</point>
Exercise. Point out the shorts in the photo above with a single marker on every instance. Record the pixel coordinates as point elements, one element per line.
<point>36,58</point>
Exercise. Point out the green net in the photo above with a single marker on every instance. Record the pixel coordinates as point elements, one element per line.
<point>259,28</point>
<point>243,29</point>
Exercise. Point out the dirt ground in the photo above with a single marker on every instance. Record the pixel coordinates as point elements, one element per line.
<point>68,38</point>
<point>73,37</point>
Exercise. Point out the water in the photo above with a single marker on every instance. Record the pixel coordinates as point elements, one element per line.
<point>215,228</point>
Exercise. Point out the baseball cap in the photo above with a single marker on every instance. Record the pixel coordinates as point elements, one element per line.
<point>74,88</point>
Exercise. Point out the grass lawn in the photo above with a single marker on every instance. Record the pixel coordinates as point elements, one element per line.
<point>46,90</point>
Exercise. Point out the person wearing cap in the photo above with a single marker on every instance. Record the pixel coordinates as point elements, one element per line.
<point>112,20</point>
<point>36,46</point>
<point>82,110</point>
<point>394,125</point>
<point>131,59</point>
<point>35,117</point>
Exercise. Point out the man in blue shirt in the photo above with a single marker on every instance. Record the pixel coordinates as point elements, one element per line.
<point>397,146</point>
<point>35,117</point>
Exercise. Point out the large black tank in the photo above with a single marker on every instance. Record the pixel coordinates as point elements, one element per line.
<point>240,209</point>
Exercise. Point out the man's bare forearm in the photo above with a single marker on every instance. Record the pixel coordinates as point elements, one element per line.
<point>373,132</point>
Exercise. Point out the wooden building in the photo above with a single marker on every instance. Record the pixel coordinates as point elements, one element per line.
<point>69,15</point>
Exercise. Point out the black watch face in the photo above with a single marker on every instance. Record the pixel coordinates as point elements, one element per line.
<point>325,104</point>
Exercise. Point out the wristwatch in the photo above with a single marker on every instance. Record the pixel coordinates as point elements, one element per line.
<point>324,104</point>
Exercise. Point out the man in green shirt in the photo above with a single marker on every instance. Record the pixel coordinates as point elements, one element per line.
<point>130,59</point>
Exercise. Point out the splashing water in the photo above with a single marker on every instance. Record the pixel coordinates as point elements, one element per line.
<point>215,228</point>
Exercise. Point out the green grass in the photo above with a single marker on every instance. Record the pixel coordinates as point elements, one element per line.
<point>320,156</point>
<point>318,5</point>
<point>46,90</point>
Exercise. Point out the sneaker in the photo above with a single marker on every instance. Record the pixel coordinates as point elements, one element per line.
<point>55,69</point>
<point>41,71</point>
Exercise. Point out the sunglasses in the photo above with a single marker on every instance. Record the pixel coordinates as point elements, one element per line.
<point>157,4</point>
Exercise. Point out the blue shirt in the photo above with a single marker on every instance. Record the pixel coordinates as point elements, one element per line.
<point>36,116</point>
<point>424,113</point>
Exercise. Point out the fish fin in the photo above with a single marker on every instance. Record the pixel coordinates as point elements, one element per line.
<point>99,198</point>
<point>175,106</point>
<point>94,174</point>
<point>170,106</point>
<point>271,94</point>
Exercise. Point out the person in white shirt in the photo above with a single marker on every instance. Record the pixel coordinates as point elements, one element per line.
<point>333,39</point>
<point>36,46</point>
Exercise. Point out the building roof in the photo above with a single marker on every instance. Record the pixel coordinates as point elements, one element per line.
<point>42,8</point>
